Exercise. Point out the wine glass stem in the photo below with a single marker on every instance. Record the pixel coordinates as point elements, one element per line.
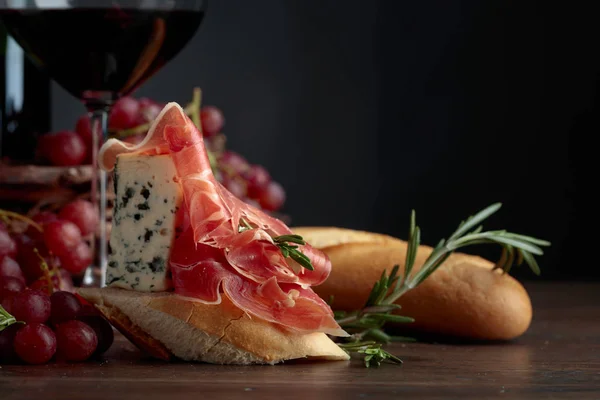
<point>96,273</point>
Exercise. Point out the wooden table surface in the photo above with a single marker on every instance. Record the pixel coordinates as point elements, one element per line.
<point>558,358</point>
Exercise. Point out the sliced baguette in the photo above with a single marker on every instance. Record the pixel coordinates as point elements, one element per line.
<point>464,298</point>
<point>166,325</point>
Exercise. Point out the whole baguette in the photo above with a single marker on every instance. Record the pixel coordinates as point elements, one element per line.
<point>166,325</point>
<point>464,298</point>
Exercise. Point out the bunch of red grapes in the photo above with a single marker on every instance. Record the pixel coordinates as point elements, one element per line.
<point>249,182</point>
<point>36,285</point>
<point>58,326</point>
<point>62,243</point>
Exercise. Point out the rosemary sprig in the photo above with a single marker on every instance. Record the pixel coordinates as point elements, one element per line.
<point>468,233</point>
<point>373,353</point>
<point>291,250</point>
<point>6,319</point>
<point>284,242</point>
<point>369,321</point>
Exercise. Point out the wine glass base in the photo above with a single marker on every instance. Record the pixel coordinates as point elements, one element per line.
<point>92,277</point>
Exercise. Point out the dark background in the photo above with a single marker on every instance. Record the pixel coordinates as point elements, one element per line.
<point>367,109</point>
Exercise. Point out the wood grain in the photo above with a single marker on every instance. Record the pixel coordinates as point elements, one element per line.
<point>557,358</point>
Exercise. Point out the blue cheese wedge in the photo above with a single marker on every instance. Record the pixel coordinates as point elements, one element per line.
<point>144,222</point>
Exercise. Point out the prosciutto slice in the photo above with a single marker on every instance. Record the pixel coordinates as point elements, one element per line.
<point>198,270</point>
<point>213,256</point>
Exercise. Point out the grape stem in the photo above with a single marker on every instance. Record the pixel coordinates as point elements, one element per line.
<point>47,274</point>
<point>14,215</point>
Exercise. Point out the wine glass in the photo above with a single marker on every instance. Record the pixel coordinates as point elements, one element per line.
<point>99,51</point>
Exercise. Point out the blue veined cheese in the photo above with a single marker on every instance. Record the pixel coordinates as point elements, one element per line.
<point>147,199</point>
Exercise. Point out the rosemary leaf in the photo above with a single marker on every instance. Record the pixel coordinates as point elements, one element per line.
<point>525,238</point>
<point>291,250</point>
<point>495,237</point>
<point>530,260</point>
<point>289,238</point>
<point>382,308</point>
<point>393,318</point>
<point>378,335</point>
<point>475,220</point>
<point>301,259</point>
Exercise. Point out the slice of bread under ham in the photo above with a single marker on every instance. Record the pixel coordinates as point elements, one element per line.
<point>169,326</point>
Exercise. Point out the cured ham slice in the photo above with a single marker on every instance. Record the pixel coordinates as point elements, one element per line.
<point>153,143</point>
<point>229,246</point>
<point>199,270</point>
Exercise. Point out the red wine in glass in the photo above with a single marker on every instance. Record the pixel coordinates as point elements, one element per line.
<point>98,51</point>
<point>110,50</point>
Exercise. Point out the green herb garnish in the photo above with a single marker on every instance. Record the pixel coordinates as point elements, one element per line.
<point>288,244</point>
<point>291,250</point>
<point>368,322</point>
<point>372,351</point>
<point>6,319</point>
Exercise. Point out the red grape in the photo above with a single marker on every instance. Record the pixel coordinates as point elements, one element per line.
<point>146,102</point>
<point>42,218</point>
<point>35,343</point>
<point>124,113</point>
<point>237,188</point>
<point>8,247</point>
<point>102,328</point>
<point>30,262</point>
<point>9,267</point>
<point>272,197</point>
<point>78,259</point>
<point>3,227</point>
<point>88,310</point>
<point>82,213</point>
<point>58,281</point>
<point>76,340</point>
<point>65,307</point>
<point>233,163</point>
<point>212,120</point>
<point>7,303</point>
<point>7,340</point>
<point>61,237</point>
<point>22,240</point>
<point>258,178</point>
<point>10,286</point>
<point>64,148</point>
<point>31,306</point>
<point>41,284</point>
<point>148,110</point>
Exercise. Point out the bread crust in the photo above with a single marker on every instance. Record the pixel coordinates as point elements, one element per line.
<point>463,298</point>
<point>221,333</point>
<point>135,334</point>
